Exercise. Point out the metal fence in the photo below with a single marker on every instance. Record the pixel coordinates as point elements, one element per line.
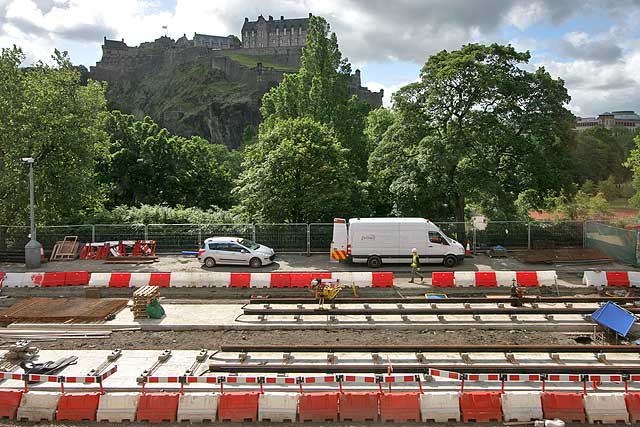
<point>616,242</point>
<point>293,238</point>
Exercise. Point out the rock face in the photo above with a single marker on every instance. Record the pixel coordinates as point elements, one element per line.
<point>195,90</point>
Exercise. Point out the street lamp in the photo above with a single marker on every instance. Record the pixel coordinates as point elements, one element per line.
<point>32,249</point>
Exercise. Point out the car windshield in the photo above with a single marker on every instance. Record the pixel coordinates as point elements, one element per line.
<point>249,244</point>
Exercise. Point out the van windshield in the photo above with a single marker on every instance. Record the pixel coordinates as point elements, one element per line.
<point>249,244</point>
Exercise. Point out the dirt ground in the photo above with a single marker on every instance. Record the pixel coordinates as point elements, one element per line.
<point>193,340</point>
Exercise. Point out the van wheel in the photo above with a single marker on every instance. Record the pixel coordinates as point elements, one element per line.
<point>210,262</point>
<point>255,263</point>
<point>374,262</point>
<point>450,261</point>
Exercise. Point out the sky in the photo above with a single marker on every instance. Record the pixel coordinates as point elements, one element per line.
<point>594,46</point>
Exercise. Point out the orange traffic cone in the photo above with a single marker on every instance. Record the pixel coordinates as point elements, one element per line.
<point>467,252</point>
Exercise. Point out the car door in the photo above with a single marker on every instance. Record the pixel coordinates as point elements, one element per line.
<point>236,254</point>
<point>437,247</point>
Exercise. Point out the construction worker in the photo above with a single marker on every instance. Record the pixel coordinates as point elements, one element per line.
<point>415,266</point>
<point>517,294</point>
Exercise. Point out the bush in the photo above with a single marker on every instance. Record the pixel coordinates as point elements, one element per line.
<point>155,214</point>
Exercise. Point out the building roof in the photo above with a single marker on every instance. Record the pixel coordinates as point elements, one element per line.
<point>276,23</point>
<point>114,44</point>
<point>626,115</point>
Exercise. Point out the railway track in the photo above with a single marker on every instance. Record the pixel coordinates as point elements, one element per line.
<point>454,300</point>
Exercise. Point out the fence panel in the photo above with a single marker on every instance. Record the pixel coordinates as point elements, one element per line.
<point>510,234</point>
<point>174,238</point>
<point>114,232</point>
<point>245,231</point>
<point>13,237</point>
<point>320,236</point>
<point>615,242</point>
<point>451,230</point>
<point>559,234</point>
<point>283,237</point>
<point>49,235</point>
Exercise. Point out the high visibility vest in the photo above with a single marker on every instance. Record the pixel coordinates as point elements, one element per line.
<point>415,261</point>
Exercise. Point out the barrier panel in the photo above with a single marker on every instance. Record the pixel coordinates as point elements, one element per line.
<point>238,407</point>
<point>76,278</point>
<point>382,279</point>
<point>634,278</point>
<point>606,408</point>
<point>506,278</point>
<point>198,407</point>
<point>400,407</point>
<point>260,280</point>
<point>118,407</point>
<point>302,280</point>
<point>632,400</point>
<point>33,279</point>
<point>361,406</point>
<point>9,403</point>
<point>486,279</point>
<point>184,280</point>
<point>78,407</point>
<point>318,407</point>
<point>465,279</point>
<point>280,280</point>
<point>361,279</point>
<point>547,278</point>
<point>138,280</point>
<point>442,279</point>
<point>278,407</point>
<point>527,279</point>
<point>157,407</point>
<point>480,406</point>
<point>569,407</point>
<point>2,274</point>
<point>240,280</point>
<point>52,279</point>
<point>521,406</point>
<point>99,280</point>
<point>119,280</point>
<point>440,407</point>
<point>617,278</point>
<point>17,280</point>
<point>161,280</point>
<point>38,406</point>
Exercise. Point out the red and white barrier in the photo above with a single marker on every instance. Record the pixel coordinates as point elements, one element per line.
<point>492,279</point>
<point>599,279</point>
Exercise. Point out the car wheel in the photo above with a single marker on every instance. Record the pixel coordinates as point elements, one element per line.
<point>255,263</point>
<point>374,262</point>
<point>210,262</point>
<point>450,261</point>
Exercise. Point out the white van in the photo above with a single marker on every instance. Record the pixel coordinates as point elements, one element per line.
<point>378,240</point>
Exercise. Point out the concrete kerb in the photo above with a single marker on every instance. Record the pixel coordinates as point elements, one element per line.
<point>198,407</point>
<point>278,407</point>
<point>118,407</point>
<point>38,406</point>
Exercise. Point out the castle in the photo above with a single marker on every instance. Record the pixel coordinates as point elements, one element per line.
<point>268,49</point>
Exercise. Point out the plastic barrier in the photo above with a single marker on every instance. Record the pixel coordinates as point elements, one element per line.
<point>527,279</point>
<point>118,407</point>
<point>522,406</point>
<point>634,278</point>
<point>278,407</point>
<point>318,407</point>
<point>547,278</point>
<point>440,407</point>
<point>9,403</point>
<point>480,406</point>
<point>568,407</point>
<point>486,279</point>
<point>78,407</point>
<point>2,274</point>
<point>119,280</point>
<point>361,279</point>
<point>184,280</point>
<point>632,401</point>
<point>52,279</point>
<point>157,407</point>
<point>217,279</point>
<point>618,279</point>
<point>465,278</point>
<point>382,280</point>
<point>260,280</point>
<point>17,280</point>
<point>198,407</point>
<point>594,278</point>
<point>161,280</point>
<point>442,279</point>
<point>280,280</point>
<point>38,406</point>
<point>600,279</point>
<point>238,407</point>
<point>99,280</point>
<point>33,279</point>
<point>359,406</point>
<point>400,407</point>
<point>506,278</point>
<point>606,408</point>
<point>138,280</point>
<point>76,278</point>
<point>240,280</point>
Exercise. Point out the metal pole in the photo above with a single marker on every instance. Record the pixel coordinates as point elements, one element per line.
<point>33,249</point>
<point>529,235</point>
<point>32,215</point>
<point>308,240</point>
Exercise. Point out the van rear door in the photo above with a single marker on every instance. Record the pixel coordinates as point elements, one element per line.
<point>339,240</point>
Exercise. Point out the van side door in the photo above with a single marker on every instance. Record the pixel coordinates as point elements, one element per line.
<point>437,246</point>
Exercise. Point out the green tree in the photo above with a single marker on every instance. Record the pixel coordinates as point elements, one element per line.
<point>147,165</point>
<point>46,113</point>
<point>633,163</point>
<point>609,188</point>
<point>599,153</point>
<point>378,122</point>
<point>582,206</point>
<point>477,128</point>
<point>320,90</point>
<point>297,172</point>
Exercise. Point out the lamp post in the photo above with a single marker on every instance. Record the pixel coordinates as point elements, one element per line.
<point>32,249</point>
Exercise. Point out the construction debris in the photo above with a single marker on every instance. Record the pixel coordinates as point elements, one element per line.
<point>118,249</point>
<point>552,256</point>
<point>65,250</point>
<point>142,297</point>
<point>59,310</point>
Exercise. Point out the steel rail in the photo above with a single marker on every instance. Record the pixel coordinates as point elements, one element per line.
<point>418,368</point>
<point>418,311</point>
<point>454,300</point>
<point>428,348</point>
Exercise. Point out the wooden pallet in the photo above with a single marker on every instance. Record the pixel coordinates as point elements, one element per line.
<point>142,297</point>
<point>65,250</point>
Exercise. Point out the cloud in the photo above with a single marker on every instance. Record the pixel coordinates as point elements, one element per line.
<point>601,48</point>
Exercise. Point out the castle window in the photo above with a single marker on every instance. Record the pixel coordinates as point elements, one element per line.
<point>284,31</point>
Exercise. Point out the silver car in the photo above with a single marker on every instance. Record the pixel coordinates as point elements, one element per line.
<point>233,250</point>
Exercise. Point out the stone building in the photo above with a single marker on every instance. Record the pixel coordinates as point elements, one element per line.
<point>263,33</point>
<point>626,119</point>
<point>215,42</point>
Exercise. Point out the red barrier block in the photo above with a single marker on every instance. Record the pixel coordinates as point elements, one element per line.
<point>158,407</point>
<point>382,280</point>
<point>238,407</point>
<point>318,407</point>
<point>481,406</point>
<point>76,278</point>
<point>618,278</point>
<point>9,403</point>
<point>78,407</point>
<point>569,407</point>
<point>280,280</point>
<point>119,280</point>
<point>303,280</point>
<point>162,280</point>
<point>486,279</point>
<point>400,407</point>
<point>527,279</point>
<point>240,280</point>
<point>52,279</point>
<point>442,279</point>
<point>2,274</point>
<point>359,406</point>
<point>633,406</point>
